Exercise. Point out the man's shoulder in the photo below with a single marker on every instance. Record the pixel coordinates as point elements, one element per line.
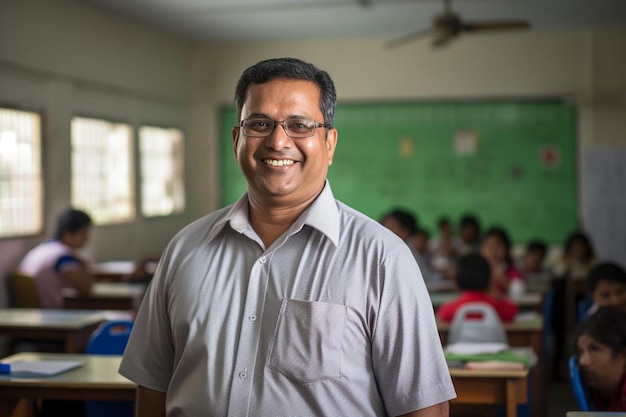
<point>202,227</point>
<point>353,222</point>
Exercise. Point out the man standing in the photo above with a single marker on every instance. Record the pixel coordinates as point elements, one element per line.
<point>288,302</point>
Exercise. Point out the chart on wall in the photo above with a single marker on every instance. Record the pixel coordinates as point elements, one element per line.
<point>511,163</point>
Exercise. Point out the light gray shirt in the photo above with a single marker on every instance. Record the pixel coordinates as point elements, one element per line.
<point>327,321</point>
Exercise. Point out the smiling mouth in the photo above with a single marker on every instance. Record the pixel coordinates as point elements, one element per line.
<point>278,162</point>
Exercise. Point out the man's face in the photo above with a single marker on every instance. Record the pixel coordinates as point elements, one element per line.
<point>281,170</point>
<point>610,293</point>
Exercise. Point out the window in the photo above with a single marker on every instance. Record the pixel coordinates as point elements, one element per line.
<point>102,170</point>
<point>162,179</point>
<point>21,192</point>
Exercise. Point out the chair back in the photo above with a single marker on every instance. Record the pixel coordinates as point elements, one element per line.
<point>23,291</point>
<point>110,339</point>
<point>578,387</point>
<point>476,323</point>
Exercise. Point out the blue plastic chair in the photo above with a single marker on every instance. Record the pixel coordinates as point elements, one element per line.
<point>110,339</point>
<point>579,389</point>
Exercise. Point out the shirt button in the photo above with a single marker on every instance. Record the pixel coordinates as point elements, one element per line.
<point>252,317</point>
<point>243,374</point>
<point>262,260</point>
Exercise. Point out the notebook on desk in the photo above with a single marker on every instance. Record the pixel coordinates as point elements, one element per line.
<point>24,369</point>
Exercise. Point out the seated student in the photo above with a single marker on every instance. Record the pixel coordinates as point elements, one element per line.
<point>469,238</point>
<point>573,265</point>
<point>55,263</point>
<point>421,251</point>
<point>577,258</point>
<point>600,345</point>
<point>606,285</point>
<point>532,265</point>
<point>496,248</point>
<point>402,222</point>
<point>443,249</point>
<point>473,277</point>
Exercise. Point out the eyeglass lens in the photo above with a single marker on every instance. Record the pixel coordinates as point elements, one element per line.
<point>297,128</point>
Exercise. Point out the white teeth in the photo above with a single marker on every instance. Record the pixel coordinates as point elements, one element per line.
<point>278,162</point>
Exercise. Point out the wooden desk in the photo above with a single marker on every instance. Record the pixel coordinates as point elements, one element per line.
<point>71,327</point>
<point>491,387</point>
<point>119,271</point>
<point>525,333</point>
<point>97,379</point>
<point>106,296</point>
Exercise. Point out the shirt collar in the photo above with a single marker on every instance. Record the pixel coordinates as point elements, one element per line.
<point>322,215</point>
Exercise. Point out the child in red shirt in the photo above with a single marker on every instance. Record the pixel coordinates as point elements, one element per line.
<point>473,278</point>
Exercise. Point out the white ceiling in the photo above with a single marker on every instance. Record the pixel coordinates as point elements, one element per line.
<point>250,20</point>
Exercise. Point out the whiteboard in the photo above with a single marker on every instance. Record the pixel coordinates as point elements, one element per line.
<point>604,202</point>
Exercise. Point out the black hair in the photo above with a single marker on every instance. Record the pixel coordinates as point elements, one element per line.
<point>537,245</point>
<point>500,233</point>
<point>289,69</point>
<point>405,218</point>
<point>469,219</point>
<point>422,231</point>
<point>605,271</point>
<point>444,220</point>
<point>71,220</point>
<point>607,326</point>
<point>581,237</point>
<point>473,272</point>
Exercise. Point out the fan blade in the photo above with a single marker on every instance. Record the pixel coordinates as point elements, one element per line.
<point>408,38</point>
<point>441,41</point>
<point>495,25</point>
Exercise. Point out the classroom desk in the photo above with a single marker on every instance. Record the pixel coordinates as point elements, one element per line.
<point>71,327</point>
<point>106,296</point>
<point>118,271</point>
<point>491,387</point>
<point>523,333</point>
<point>97,379</point>
<point>528,301</point>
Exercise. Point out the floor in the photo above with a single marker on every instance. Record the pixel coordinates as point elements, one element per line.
<point>560,399</point>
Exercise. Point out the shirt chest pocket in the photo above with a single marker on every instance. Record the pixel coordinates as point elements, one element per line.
<point>307,340</point>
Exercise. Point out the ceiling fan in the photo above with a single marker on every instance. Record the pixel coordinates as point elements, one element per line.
<point>449,25</point>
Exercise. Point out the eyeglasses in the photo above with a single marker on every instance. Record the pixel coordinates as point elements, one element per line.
<point>294,128</point>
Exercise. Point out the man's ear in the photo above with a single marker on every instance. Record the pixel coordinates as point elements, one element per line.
<point>235,133</point>
<point>331,144</point>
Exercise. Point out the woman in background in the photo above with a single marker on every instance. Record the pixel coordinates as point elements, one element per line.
<point>496,248</point>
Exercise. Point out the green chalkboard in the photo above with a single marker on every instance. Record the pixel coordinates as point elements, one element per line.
<point>512,163</point>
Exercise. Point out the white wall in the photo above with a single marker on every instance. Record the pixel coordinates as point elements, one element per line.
<point>65,58</point>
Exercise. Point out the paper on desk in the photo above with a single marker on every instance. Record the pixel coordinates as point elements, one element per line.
<point>475,348</point>
<point>42,368</point>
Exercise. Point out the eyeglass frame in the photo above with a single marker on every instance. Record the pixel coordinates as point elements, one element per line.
<point>316,125</point>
